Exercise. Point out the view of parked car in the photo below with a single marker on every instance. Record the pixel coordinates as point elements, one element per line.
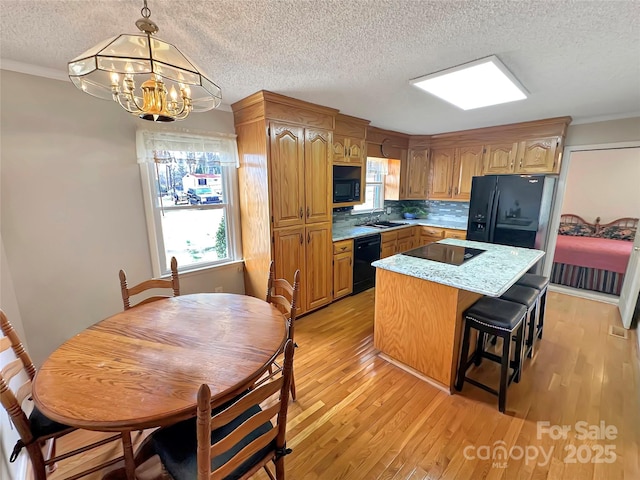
<point>202,195</point>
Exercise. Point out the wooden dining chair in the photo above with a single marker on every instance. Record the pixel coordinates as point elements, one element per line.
<point>235,440</point>
<point>127,292</point>
<point>35,430</point>
<point>284,297</point>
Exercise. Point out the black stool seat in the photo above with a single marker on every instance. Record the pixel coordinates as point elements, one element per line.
<point>533,281</point>
<point>523,295</point>
<point>493,316</point>
<point>497,313</point>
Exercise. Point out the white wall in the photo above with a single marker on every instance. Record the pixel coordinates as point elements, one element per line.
<point>72,209</point>
<point>603,183</point>
<point>611,131</point>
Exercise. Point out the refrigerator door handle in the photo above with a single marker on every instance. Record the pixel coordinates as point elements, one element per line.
<point>493,219</point>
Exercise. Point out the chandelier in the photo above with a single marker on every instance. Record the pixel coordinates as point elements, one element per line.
<point>146,76</point>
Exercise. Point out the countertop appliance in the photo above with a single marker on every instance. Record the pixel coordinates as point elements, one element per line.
<point>511,209</point>
<point>444,253</point>
<point>346,190</point>
<point>366,251</point>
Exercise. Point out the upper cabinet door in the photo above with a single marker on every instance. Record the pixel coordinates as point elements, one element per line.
<point>355,151</point>
<point>500,158</point>
<point>440,174</point>
<point>417,175</point>
<point>287,174</point>
<point>468,164</point>
<point>537,156</point>
<point>340,149</point>
<point>317,165</point>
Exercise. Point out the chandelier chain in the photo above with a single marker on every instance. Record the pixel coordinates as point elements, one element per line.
<point>146,11</point>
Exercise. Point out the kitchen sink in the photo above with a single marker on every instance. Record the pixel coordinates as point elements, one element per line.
<point>384,224</point>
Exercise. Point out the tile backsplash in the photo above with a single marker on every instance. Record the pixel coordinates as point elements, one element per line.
<point>436,210</point>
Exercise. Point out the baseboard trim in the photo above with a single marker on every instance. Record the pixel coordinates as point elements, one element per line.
<point>415,373</point>
<point>586,294</point>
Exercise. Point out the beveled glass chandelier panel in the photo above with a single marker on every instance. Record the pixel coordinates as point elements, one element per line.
<point>147,76</point>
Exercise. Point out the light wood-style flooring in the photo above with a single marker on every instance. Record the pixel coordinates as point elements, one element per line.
<point>359,417</point>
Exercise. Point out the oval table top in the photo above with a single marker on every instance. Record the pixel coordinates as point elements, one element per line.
<point>142,367</point>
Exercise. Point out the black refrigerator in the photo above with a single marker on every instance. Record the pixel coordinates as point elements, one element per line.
<point>511,209</point>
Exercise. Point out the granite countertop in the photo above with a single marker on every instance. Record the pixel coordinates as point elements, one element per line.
<point>490,273</point>
<point>344,233</point>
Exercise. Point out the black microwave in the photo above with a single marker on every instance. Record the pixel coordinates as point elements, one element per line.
<point>346,190</point>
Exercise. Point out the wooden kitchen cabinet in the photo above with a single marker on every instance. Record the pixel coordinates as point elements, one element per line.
<point>287,174</point>
<point>342,268</point>
<point>289,255</point>
<point>285,178</point>
<point>349,141</point>
<point>454,233</point>
<point>430,235</point>
<point>467,164</point>
<point>417,174</point>
<point>452,170</point>
<point>388,243</point>
<point>319,257</point>
<point>538,156</point>
<point>528,156</point>
<point>440,173</point>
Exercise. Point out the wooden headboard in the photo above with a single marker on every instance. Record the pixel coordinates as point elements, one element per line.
<point>574,219</point>
<point>622,222</point>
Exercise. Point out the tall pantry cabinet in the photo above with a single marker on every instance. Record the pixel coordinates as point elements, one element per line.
<point>285,180</point>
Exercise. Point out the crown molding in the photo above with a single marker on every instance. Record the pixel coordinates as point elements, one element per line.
<point>30,69</point>
<point>604,118</point>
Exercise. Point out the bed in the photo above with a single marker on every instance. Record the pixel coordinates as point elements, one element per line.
<point>593,256</point>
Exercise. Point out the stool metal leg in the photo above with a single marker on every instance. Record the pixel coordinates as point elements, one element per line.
<point>464,355</point>
<point>532,328</point>
<point>504,372</point>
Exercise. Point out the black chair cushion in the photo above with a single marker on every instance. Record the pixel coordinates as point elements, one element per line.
<point>42,426</point>
<point>533,281</point>
<point>177,445</point>
<point>522,295</point>
<point>497,313</point>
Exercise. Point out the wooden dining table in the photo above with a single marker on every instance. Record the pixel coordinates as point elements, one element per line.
<point>142,367</point>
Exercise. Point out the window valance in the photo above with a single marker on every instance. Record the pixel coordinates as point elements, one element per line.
<point>156,147</point>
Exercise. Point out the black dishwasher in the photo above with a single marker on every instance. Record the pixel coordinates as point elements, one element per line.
<point>367,250</point>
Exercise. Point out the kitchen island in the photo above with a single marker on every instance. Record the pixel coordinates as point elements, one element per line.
<point>419,304</point>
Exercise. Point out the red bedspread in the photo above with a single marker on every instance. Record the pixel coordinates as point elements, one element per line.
<point>600,253</point>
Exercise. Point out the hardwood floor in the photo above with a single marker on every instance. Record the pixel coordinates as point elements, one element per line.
<point>359,417</point>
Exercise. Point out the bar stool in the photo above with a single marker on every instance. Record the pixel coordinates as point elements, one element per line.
<point>528,297</point>
<point>494,316</point>
<point>540,283</point>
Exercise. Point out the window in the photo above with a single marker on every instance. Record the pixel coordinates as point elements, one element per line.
<point>374,193</point>
<point>190,186</point>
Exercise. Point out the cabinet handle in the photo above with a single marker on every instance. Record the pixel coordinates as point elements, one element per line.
<point>343,248</point>
<point>456,191</point>
<point>301,212</point>
<point>300,235</point>
<point>409,189</point>
<point>349,261</point>
<point>449,190</point>
<point>308,238</point>
<point>520,163</point>
<point>308,212</point>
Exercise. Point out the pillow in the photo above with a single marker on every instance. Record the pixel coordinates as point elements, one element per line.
<point>618,233</point>
<point>577,229</point>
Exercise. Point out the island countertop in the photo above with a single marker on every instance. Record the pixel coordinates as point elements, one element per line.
<point>491,273</point>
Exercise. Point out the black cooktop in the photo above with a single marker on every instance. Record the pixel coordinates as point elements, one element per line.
<point>441,252</point>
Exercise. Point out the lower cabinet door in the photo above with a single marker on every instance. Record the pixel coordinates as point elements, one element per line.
<point>405,244</point>
<point>342,274</point>
<point>388,248</point>
<point>289,246</point>
<point>319,256</point>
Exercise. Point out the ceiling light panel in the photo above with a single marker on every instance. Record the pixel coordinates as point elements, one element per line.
<point>477,84</point>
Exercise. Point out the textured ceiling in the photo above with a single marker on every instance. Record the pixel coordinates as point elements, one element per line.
<point>576,58</point>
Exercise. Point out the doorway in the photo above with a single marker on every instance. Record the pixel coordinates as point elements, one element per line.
<point>591,235</point>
